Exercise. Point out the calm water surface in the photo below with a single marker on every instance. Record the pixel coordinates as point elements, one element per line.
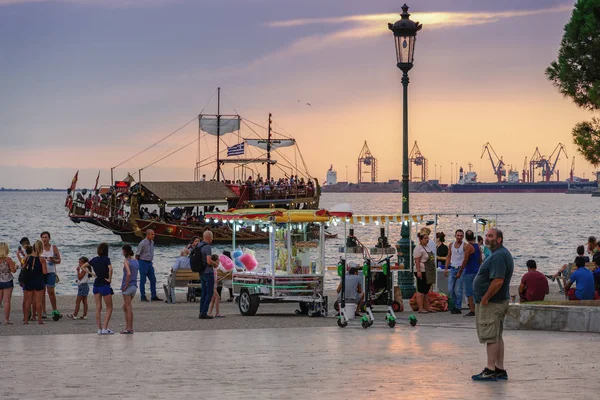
<point>545,227</point>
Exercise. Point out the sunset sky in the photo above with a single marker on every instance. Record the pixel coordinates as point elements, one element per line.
<point>88,83</point>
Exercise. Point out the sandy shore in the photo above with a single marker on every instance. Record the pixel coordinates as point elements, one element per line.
<point>183,316</point>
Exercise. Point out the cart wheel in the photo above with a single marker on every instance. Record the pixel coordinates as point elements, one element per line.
<point>342,324</point>
<point>396,306</point>
<point>336,306</point>
<point>303,308</point>
<point>248,304</point>
<point>365,324</point>
<point>392,323</point>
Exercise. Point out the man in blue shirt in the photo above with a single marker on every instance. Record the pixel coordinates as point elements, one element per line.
<point>208,276</point>
<point>491,294</point>
<point>583,279</point>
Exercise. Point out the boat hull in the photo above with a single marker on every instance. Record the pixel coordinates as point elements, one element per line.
<point>542,187</point>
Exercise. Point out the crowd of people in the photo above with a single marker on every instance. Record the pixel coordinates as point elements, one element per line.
<point>37,278</point>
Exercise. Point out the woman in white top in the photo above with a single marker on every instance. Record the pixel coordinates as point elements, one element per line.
<point>421,255</point>
<point>7,269</point>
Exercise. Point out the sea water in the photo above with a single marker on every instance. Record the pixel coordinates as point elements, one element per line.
<point>543,227</point>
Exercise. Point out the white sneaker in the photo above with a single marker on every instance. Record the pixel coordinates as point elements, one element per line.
<point>107,332</point>
<point>99,331</point>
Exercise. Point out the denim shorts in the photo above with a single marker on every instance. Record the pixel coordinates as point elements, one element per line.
<point>83,290</point>
<point>468,282</point>
<point>6,285</point>
<point>103,290</point>
<point>50,279</point>
<point>129,291</point>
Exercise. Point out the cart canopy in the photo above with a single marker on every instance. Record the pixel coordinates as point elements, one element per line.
<point>272,215</point>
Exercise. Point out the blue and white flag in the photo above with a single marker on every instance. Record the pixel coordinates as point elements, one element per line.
<point>235,150</point>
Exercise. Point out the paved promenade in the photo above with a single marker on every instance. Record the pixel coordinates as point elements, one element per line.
<point>424,362</point>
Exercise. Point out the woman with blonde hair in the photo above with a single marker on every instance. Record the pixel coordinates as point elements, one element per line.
<point>7,268</point>
<point>33,290</point>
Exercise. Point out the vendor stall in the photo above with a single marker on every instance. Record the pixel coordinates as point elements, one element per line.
<point>294,272</point>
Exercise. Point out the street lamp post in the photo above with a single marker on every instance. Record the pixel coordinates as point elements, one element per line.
<point>405,36</point>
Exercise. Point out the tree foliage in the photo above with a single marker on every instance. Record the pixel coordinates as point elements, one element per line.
<point>576,72</point>
<point>586,135</point>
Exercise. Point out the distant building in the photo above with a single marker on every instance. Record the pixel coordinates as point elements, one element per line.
<point>331,176</point>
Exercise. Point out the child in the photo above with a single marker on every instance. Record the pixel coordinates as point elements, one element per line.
<point>215,298</point>
<point>129,286</point>
<point>83,289</point>
<point>102,291</point>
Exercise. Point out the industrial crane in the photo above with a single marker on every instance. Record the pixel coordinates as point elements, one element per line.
<point>497,163</point>
<point>525,172</point>
<point>366,158</point>
<point>417,158</point>
<point>551,166</point>
<point>536,161</point>
<point>572,172</point>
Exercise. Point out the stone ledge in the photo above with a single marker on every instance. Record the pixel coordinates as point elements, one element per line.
<point>553,318</point>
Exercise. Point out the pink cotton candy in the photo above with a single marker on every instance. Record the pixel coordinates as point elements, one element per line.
<point>226,262</point>
<point>249,261</point>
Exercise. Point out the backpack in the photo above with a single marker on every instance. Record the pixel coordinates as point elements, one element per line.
<point>25,271</point>
<point>197,259</point>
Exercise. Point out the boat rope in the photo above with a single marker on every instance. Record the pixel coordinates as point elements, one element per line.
<point>158,142</point>
<point>171,153</point>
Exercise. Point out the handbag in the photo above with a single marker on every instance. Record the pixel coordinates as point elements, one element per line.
<point>430,269</point>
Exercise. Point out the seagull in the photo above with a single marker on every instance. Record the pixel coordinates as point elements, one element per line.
<point>308,104</point>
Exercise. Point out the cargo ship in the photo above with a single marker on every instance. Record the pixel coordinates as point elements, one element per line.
<point>467,183</point>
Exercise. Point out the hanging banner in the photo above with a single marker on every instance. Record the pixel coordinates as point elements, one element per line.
<point>275,143</point>
<point>227,125</point>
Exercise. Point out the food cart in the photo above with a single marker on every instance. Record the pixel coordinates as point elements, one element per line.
<point>294,272</point>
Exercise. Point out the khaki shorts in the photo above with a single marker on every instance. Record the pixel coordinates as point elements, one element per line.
<point>489,320</point>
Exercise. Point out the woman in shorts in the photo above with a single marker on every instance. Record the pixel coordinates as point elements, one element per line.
<point>129,287</point>
<point>102,290</point>
<point>33,290</point>
<point>7,269</point>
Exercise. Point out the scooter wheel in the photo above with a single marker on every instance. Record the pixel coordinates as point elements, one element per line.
<point>56,317</point>
<point>371,323</point>
<point>342,324</point>
<point>392,323</point>
<point>365,324</point>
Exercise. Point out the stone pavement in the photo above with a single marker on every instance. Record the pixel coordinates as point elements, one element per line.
<point>424,362</point>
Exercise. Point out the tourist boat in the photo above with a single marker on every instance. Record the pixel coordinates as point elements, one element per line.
<point>118,207</point>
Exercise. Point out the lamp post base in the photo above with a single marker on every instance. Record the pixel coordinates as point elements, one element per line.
<point>406,279</point>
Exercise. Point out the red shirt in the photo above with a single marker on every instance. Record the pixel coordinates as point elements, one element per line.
<point>536,286</point>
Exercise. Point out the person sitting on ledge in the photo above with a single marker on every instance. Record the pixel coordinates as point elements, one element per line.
<point>583,280</point>
<point>564,269</point>
<point>534,285</point>
<point>354,293</point>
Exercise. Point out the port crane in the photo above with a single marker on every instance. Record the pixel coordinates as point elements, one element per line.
<point>418,159</point>
<point>525,172</point>
<point>572,172</point>
<point>536,161</point>
<point>551,166</point>
<point>366,158</point>
<point>497,163</point>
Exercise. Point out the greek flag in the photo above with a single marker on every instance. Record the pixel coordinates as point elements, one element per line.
<point>235,150</point>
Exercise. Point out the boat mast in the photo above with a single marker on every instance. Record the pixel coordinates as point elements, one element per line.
<point>269,151</point>
<point>218,132</point>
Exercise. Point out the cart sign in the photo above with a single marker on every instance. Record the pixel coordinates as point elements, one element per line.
<point>122,186</point>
